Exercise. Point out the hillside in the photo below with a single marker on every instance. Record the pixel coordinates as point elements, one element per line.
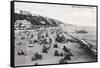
<point>37,20</point>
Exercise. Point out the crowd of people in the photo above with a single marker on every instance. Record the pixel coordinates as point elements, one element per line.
<point>48,38</point>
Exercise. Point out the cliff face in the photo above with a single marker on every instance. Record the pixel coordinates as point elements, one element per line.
<point>37,20</point>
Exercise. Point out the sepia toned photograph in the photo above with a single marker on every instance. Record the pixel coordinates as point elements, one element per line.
<point>50,33</point>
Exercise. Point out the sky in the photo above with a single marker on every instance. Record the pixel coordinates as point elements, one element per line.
<point>69,14</point>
